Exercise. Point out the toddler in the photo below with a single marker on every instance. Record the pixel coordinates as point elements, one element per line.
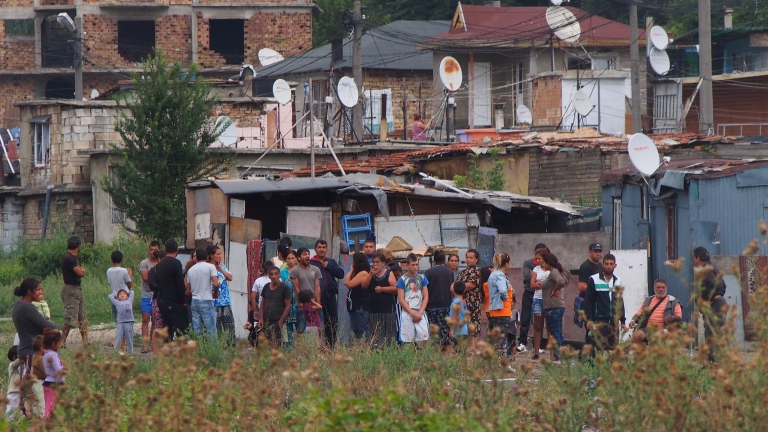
<point>459,329</point>
<point>309,306</point>
<point>14,384</point>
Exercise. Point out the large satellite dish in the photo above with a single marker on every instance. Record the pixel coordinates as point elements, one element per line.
<point>563,23</point>
<point>282,91</point>
<point>659,61</point>
<point>659,37</point>
<point>524,114</point>
<point>582,104</point>
<point>65,21</point>
<point>643,154</point>
<point>228,136</point>
<point>450,73</point>
<point>268,56</point>
<point>347,90</point>
<point>556,2</point>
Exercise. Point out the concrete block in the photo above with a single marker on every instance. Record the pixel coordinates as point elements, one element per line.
<point>104,120</point>
<point>80,129</point>
<point>81,145</point>
<point>87,121</point>
<point>81,112</point>
<point>97,112</point>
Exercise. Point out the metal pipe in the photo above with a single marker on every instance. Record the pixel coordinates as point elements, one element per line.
<point>47,208</point>
<point>453,188</point>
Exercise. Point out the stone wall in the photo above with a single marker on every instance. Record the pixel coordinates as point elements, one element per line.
<point>72,211</point>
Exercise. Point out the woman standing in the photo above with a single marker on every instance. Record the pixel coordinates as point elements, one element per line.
<point>453,264</point>
<point>383,285</point>
<point>501,298</point>
<point>358,296</point>
<point>538,275</point>
<point>285,275</point>
<point>225,321</point>
<point>554,299</point>
<point>473,295</point>
<point>28,322</point>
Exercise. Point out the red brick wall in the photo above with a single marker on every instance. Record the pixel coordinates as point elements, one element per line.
<point>72,212</point>
<point>18,3</point>
<point>546,101</point>
<point>243,115</point>
<point>14,89</point>
<point>173,35</point>
<point>100,83</point>
<point>382,79</point>
<point>205,56</point>
<point>287,33</point>
<point>16,55</point>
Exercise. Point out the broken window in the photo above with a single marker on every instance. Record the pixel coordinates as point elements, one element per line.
<point>57,48</point>
<point>135,40</point>
<point>227,38</point>
<point>42,141</point>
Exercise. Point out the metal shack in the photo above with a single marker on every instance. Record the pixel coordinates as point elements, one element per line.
<point>715,203</point>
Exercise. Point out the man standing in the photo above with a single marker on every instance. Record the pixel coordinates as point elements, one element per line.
<point>72,292</point>
<point>146,294</point>
<point>527,307</point>
<point>604,307</point>
<point>588,268</point>
<point>203,283</point>
<point>440,280</point>
<point>330,272</point>
<point>711,287</point>
<point>305,277</point>
<point>369,249</point>
<point>172,298</point>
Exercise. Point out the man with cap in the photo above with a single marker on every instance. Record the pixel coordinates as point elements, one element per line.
<point>588,268</point>
<point>527,307</point>
<point>711,286</point>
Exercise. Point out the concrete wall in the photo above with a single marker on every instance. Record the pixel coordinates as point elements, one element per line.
<point>11,220</point>
<point>104,230</point>
<point>571,248</point>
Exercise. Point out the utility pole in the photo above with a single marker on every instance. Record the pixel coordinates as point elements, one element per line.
<point>78,58</point>
<point>357,67</point>
<point>311,130</point>
<point>706,113</point>
<point>634,60</point>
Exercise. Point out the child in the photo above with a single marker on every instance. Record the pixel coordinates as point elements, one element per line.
<point>459,329</point>
<point>14,384</point>
<point>396,270</point>
<point>309,307</point>
<point>54,367</point>
<point>119,278</point>
<point>124,306</point>
<point>38,372</point>
<point>42,307</point>
<point>413,296</point>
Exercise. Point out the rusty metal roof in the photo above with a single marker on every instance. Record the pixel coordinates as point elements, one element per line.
<point>693,168</point>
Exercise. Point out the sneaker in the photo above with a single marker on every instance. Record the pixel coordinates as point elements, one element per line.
<point>521,348</point>
<point>541,351</point>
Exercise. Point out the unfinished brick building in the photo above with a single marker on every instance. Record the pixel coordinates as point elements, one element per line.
<point>37,54</point>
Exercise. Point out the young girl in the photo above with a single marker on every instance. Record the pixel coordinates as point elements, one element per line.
<point>538,276</point>
<point>54,367</point>
<point>124,332</point>
<point>309,307</point>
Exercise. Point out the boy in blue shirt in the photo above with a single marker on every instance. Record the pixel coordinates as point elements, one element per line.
<point>459,328</point>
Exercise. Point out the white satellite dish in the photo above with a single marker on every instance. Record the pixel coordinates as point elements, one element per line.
<point>65,21</point>
<point>268,56</point>
<point>563,23</point>
<point>94,94</point>
<point>347,90</point>
<point>282,91</point>
<point>524,114</point>
<point>556,2</point>
<point>659,61</point>
<point>582,104</point>
<point>228,136</point>
<point>643,154</point>
<point>659,37</point>
<point>450,73</point>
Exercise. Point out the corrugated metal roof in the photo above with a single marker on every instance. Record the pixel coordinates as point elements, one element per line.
<point>698,168</point>
<point>238,187</point>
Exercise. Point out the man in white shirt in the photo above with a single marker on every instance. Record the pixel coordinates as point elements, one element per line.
<point>203,282</point>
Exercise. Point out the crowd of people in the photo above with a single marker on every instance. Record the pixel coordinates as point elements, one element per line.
<point>387,302</point>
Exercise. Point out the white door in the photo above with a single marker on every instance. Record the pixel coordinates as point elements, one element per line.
<point>481,96</point>
<point>238,287</point>
<point>632,269</point>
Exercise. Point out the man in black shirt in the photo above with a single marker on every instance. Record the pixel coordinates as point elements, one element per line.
<point>172,293</point>
<point>440,279</point>
<point>711,287</point>
<point>72,292</point>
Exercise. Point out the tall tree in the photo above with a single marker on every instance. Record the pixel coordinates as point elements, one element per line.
<point>166,128</point>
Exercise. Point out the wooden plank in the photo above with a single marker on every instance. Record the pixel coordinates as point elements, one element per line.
<point>219,208</point>
<point>687,107</point>
<point>252,229</point>
<point>237,230</point>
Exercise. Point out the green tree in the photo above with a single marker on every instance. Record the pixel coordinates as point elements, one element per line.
<point>167,128</point>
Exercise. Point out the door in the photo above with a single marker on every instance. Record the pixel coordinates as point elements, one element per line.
<point>632,269</point>
<point>481,96</point>
<point>667,105</point>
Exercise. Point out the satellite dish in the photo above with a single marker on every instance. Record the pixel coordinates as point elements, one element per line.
<point>450,73</point>
<point>347,90</point>
<point>556,2</point>
<point>643,154</point>
<point>582,104</point>
<point>282,91</point>
<point>268,56</point>
<point>94,94</point>
<point>65,21</point>
<point>524,114</point>
<point>228,136</point>
<point>659,61</point>
<point>659,38</point>
<point>563,23</point>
